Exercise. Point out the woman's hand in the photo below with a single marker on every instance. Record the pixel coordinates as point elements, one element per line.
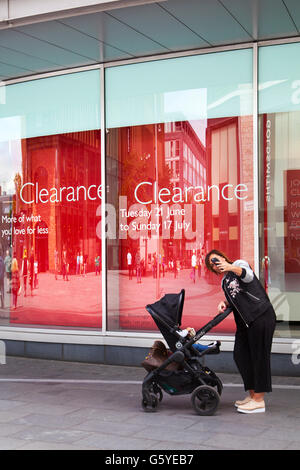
<point>191,331</point>
<point>223,266</point>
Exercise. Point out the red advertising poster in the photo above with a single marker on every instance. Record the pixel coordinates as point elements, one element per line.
<point>179,189</point>
<point>51,230</point>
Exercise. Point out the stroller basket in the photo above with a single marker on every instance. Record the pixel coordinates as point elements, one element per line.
<point>176,382</point>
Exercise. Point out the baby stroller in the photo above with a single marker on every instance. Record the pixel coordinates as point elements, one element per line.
<point>189,376</point>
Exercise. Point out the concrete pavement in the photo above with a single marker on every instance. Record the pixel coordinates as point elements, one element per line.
<point>53,405</point>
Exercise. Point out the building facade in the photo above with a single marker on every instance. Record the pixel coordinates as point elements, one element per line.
<point>128,152</point>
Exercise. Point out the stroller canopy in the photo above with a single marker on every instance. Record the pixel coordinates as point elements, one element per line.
<point>167,313</point>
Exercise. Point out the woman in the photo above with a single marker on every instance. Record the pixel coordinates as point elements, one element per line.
<point>255,320</point>
<point>15,281</point>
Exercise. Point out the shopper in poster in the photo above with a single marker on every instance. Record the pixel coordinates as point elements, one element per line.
<point>25,271</point>
<point>56,262</point>
<point>194,264</point>
<point>31,270</point>
<point>138,266</point>
<point>129,264</point>
<point>81,270</point>
<point>78,263</point>
<point>255,320</point>
<point>97,264</point>
<point>65,265</point>
<point>199,265</point>
<point>15,281</point>
<point>154,266</point>
<point>36,270</point>
<point>7,262</point>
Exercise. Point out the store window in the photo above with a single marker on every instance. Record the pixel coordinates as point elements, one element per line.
<point>51,201</point>
<point>179,158</point>
<point>279,108</point>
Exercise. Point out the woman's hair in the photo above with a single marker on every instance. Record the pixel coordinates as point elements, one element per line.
<point>14,265</point>
<point>215,252</point>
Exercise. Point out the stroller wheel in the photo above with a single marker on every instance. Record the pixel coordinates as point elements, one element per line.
<point>149,402</point>
<point>205,400</point>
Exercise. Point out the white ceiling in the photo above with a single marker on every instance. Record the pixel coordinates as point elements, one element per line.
<point>143,30</point>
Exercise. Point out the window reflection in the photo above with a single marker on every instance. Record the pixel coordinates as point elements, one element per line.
<point>49,225</point>
<point>280,216</point>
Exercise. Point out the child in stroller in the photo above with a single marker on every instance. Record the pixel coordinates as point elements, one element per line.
<point>182,371</point>
<point>190,333</point>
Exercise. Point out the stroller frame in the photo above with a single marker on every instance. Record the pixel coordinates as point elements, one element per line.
<point>203,384</point>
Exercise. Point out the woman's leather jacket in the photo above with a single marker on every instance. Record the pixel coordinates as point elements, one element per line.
<point>245,294</point>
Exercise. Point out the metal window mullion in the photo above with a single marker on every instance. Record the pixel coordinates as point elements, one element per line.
<point>255,157</point>
<point>103,199</point>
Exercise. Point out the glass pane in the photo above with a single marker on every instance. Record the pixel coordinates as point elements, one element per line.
<point>51,204</point>
<point>280,175</point>
<point>56,105</point>
<point>188,88</point>
<point>177,188</point>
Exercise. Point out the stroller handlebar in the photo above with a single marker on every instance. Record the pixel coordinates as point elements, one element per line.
<point>211,324</point>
